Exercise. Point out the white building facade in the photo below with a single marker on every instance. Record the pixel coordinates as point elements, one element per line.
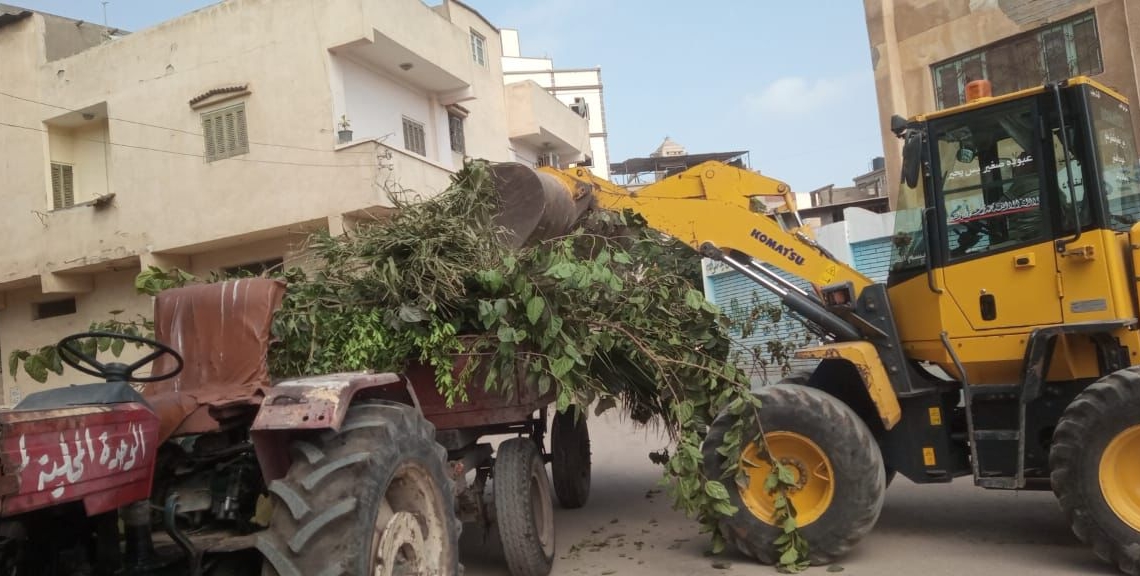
<point>578,88</point>
<point>223,137</point>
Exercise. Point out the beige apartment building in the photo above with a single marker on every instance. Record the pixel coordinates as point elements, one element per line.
<point>213,141</point>
<point>925,51</point>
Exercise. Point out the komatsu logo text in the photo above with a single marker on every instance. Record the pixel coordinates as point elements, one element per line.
<point>786,251</point>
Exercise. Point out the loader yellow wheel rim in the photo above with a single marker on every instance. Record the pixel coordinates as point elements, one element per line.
<point>814,477</point>
<point>1120,476</point>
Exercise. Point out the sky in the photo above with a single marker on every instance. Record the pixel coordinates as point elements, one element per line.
<point>789,81</point>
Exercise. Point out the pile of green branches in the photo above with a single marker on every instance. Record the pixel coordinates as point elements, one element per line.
<point>608,315</point>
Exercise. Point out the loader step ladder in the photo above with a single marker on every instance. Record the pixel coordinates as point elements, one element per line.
<point>1011,442</point>
<point>1008,442</point>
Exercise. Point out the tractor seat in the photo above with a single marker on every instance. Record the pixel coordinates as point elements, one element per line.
<point>81,395</point>
<point>222,331</point>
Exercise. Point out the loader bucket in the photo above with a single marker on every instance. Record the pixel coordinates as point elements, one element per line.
<point>534,206</point>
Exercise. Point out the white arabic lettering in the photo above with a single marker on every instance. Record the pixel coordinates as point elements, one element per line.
<point>997,165</point>
<point>70,468</point>
<point>965,214</point>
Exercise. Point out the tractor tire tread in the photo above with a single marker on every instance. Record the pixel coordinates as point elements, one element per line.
<point>522,547</point>
<point>1074,479</point>
<point>859,460</point>
<point>325,506</point>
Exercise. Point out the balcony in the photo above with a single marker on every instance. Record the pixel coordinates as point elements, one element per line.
<point>541,122</point>
<point>414,44</point>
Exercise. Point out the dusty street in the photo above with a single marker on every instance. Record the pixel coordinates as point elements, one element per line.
<point>924,530</point>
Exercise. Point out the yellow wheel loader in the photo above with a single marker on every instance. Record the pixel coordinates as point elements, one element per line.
<point>1003,345</point>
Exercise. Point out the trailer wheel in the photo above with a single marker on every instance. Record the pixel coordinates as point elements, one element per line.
<point>371,499</point>
<point>835,459</point>
<point>570,458</point>
<point>1096,470</point>
<point>524,510</point>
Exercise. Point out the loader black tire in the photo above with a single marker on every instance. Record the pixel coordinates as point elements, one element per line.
<point>857,474</point>
<point>1106,410</point>
<point>384,460</point>
<point>570,458</point>
<point>524,508</point>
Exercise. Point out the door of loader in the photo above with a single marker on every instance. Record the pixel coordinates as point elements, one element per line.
<point>1105,194</point>
<point>990,167</point>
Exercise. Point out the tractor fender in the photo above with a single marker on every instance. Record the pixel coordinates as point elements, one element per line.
<point>315,403</point>
<point>865,359</point>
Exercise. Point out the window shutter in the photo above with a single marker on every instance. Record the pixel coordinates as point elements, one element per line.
<point>62,186</point>
<point>242,145</point>
<point>225,133</point>
<point>68,186</point>
<point>208,131</point>
<point>57,186</point>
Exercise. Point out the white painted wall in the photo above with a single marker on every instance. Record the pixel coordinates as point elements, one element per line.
<point>377,104</point>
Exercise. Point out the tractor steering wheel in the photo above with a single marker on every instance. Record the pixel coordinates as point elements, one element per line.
<point>73,356</point>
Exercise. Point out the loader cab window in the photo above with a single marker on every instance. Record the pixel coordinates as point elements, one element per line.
<point>987,166</point>
<point>1116,157</point>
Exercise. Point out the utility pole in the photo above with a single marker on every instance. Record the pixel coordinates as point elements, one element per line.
<point>105,13</point>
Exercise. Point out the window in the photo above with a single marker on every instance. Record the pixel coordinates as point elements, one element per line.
<point>991,186</point>
<point>1116,152</point>
<point>455,130</point>
<point>225,132</point>
<point>547,159</point>
<point>414,137</point>
<point>54,308</point>
<point>1055,52</point>
<point>478,48</point>
<point>62,185</point>
<point>255,268</point>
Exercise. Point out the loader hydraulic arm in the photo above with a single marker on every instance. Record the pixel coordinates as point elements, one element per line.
<point>709,207</point>
<point>711,204</point>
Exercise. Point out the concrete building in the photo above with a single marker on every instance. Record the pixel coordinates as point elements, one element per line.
<point>578,88</point>
<point>829,203</point>
<point>214,140</point>
<point>924,52</point>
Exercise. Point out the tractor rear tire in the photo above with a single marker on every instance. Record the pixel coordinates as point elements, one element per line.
<point>824,441</point>
<point>369,499</point>
<point>570,458</point>
<point>524,508</point>
<point>1096,468</point>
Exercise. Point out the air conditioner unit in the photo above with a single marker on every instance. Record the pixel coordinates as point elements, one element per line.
<point>580,108</point>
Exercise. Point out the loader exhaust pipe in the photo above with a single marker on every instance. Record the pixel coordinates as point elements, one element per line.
<point>534,206</point>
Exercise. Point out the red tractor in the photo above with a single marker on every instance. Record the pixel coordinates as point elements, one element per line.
<point>215,468</point>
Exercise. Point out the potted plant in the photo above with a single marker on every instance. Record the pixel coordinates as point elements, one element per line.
<point>344,135</point>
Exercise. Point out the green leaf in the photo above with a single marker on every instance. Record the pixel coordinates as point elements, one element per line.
<point>544,382</point>
<point>771,482</point>
<point>622,258</point>
<point>561,366</point>
<point>718,545</point>
<point>716,490</point>
<point>724,508</point>
<point>117,347</point>
<point>786,475</point>
<point>534,309</point>
<point>506,333</point>
<point>54,362</point>
<point>36,367</point>
<point>790,556</point>
<point>694,299</point>
<point>789,525</point>
<point>14,360</point>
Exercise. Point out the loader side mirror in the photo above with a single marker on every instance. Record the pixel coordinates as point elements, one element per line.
<point>912,155</point>
<point>898,125</point>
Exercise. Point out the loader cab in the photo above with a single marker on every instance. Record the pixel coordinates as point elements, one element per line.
<point>1001,197</point>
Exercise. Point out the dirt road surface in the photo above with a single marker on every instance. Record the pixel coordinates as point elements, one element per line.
<point>628,529</point>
